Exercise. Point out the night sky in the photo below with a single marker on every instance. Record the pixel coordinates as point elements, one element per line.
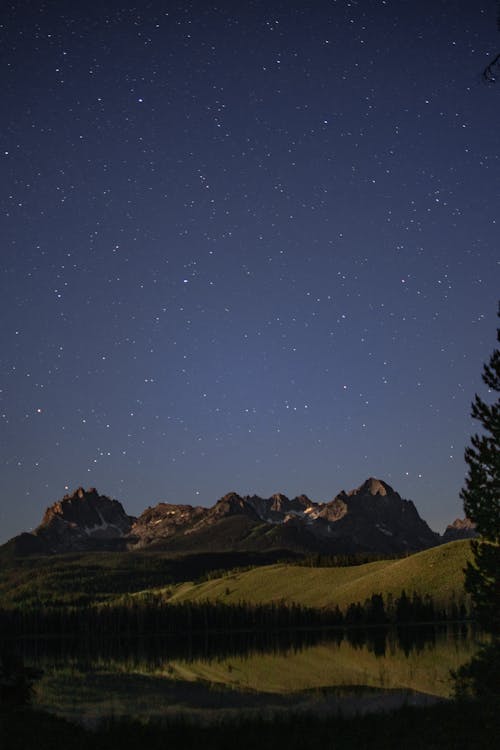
<point>245,246</point>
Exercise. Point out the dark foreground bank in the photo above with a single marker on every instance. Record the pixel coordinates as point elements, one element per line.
<point>454,726</point>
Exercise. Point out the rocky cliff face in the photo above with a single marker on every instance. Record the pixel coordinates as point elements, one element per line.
<point>375,518</point>
<point>461,528</point>
<point>83,520</point>
<point>94,514</point>
<point>372,518</point>
<point>163,522</point>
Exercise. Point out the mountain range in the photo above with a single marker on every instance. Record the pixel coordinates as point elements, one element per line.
<point>372,519</point>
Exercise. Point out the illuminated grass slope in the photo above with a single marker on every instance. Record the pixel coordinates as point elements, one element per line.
<point>437,572</point>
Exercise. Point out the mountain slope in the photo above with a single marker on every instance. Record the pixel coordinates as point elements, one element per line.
<point>437,572</point>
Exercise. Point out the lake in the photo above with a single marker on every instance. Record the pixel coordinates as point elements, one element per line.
<point>224,675</point>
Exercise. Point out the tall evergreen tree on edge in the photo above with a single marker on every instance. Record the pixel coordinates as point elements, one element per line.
<point>481,497</point>
<point>478,678</point>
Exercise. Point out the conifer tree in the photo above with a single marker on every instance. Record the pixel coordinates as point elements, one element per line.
<point>481,497</point>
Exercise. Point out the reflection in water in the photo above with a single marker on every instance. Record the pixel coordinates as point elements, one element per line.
<point>220,674</point>
<point>212,644</point>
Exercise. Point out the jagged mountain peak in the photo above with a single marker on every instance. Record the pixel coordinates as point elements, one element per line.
<point>81,494</point>
<point>461,528</point>
<point>371,518</point>
<point>86,507</point>
<point>230,497</point>
<point>373,486</point>
<point>233,504</point>
<point>279,497</point>
<point>304,500</point>
<point>83,519</point>
<point>462,523</point>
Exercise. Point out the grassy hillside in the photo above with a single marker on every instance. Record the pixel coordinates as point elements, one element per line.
<point>438,572</point>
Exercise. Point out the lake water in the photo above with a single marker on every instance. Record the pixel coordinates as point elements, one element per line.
<point>226,675</point>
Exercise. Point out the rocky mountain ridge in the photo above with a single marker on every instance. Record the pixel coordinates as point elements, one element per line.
<point>461,528</point>
<point>372,518</point>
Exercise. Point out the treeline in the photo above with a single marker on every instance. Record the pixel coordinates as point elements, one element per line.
<point>305,561</point>
<point>404,610</point>
<point>345,560</point>
<point>152,614</point>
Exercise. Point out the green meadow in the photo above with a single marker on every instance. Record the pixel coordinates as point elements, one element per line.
<point>437,572</point>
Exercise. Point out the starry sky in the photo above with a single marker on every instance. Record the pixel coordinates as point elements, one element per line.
<point>245,246</point>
